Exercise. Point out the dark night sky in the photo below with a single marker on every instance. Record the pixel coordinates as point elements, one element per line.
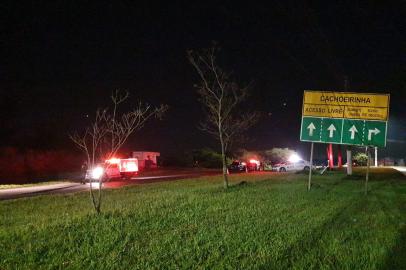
<point>62,59</point>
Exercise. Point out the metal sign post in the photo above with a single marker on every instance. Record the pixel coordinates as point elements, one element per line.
<point>349,161</point>
<point>376,156</point>
<point>367,174</point>
<point>311,166</point>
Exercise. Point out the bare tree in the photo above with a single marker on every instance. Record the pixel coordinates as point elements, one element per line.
<point>104,137</point>
<point>220,96</point>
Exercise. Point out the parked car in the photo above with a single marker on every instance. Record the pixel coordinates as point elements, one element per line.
<point>292,166</point>
<point>238,166</point>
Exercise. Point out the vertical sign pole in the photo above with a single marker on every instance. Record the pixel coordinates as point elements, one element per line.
<point>367,175</point>
<point>311,167</point>
<point>376,156</point>
<point>349,160</point>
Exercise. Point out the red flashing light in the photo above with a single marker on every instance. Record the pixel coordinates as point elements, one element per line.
<point>113,161</point>
<point>254,161</point>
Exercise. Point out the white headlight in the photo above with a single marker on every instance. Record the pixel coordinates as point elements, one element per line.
<point>294,158</point>
<point>97,172</point>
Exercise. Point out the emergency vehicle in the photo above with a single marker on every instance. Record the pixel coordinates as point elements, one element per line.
<point>242,166</point>
<point>113,168</point>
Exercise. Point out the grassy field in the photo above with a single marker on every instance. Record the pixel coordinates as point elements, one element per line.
<point>269,221</point>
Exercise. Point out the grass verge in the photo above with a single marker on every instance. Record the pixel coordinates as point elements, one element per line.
<point>268,222</point>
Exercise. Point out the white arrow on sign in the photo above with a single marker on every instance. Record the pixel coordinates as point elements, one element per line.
<point>353,129</point>
<point>311,128</point>
<point>372,131</point>
<point>331,128</point>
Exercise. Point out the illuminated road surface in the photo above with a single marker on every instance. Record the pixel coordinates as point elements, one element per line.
<point>401,169</point>
<point>15,193</point>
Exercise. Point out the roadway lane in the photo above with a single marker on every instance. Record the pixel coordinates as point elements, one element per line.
<point>15,193</point>
<point>63,188</point>
<point>401,169</point>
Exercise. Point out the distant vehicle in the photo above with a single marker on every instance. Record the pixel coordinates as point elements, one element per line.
<point>238,166</point>
<point>320,163</point>
<point>113,168</point>
<point>292,166</point>
<point>254,165</point>
<point>267,166</point>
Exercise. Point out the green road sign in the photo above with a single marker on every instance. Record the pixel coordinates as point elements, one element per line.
<point>345,118</point>
<point>353,132</point>
<point>310,130</point>
<point>375,133</point>
<point>343,131</point>
<point>331,130</point>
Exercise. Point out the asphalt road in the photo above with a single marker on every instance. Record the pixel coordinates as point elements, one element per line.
<point>401,169</point>
<point>70,187</point>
